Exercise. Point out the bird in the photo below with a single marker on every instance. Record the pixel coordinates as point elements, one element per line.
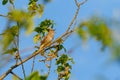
<point>47,39</point>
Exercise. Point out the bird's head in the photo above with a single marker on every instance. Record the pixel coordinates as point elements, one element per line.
<point>50,29</point>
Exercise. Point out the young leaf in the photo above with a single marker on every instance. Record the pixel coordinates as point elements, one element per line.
<point>11,1</point>
<point>14,78</point>
<point>96,28</point>
<point>8,36</point>
<point>40,10</point>
<point>36,38</point>
<point>60,47</point>
<point>24,19</point>
<point>62,60</point>
<point>36,76</point>
<point>4,2</point>
<point>11,51</point>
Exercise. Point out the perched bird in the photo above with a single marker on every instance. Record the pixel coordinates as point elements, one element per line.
<point>47,39</point>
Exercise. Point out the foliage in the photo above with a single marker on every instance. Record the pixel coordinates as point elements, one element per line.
<point>64,67</point>
<point>44,26</point>
<point>8,36</point>
<point>35,8</point>
<point>4,2</point>
<point>23,19</point>
<point>97,28</point>
<point>36,76</point>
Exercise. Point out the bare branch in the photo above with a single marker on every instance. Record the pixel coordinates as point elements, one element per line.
<point>81,3</point>
<point>76,13</point>
<point>33,64</point>
<point>49,68</point>
<point>16,75</point>
<point>19,57</point>
<point>76,3</point>
<point>3,15</point>
<point>22,67</point>
<point>75,16</point>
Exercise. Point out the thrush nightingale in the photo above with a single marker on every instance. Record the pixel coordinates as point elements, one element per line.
<point>47,39</point>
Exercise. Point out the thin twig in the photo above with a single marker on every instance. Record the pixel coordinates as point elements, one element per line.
<point>76,3</point>
<point>19,52</point>
<point>76,13</point>
<point>33,64</point>
<point>22,67</point>
<point>49,68</point>
<point>16,75</point>
<point>3,15</point>
<point>75,16</point>
<point>74,25</point>
<point>81,3</point>
<point>13,5</point>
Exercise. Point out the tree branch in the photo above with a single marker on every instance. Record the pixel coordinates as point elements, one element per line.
<point>76,13</point>
<point>19,56</point>
<point>81,3</point>
<point>3,15</point>
<point>76,3</point>
<point>33,64</point>
<point>16,75</point>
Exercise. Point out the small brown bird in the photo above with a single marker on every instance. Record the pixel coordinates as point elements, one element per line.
<point>47,39</point>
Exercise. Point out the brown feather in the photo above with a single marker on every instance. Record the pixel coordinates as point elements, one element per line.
<point>47,39</point>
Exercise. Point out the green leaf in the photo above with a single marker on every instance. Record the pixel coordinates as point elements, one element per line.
<point>38,30</point>
<point>62,60</point>
<point>46,1</point>
<point>60,47</point>
<point>11,1</point>
<point>71,59</point>
<point>36,38</point>
<point>11,51</point>
<point>14,78</point>
<point>36,76</point>
<point>31,1</point>
<point>97,28</point>
<point>4,2</point>
<point>82,33</point>
<point>44,77</point>
<point>40,10</point>
<point>42,29</point>
<point>60,68</point>
<point>64,67</point>
<point>8,36</point>
<point>68,65</point>
<point>46,24</point>
<point>33,76</point>
<point>24,19</point>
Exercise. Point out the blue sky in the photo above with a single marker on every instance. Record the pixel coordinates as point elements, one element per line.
<point>90,62</point>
